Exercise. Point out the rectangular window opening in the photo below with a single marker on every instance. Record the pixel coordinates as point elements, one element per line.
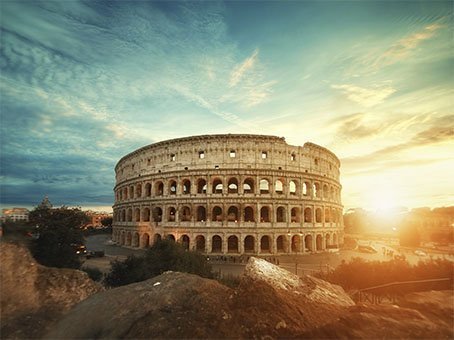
<point>264,155</point>
<point>201,154</point>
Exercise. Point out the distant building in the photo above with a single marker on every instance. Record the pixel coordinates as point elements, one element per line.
<point>96,218</point>
<point>435,225</point>
<point>15,214</point>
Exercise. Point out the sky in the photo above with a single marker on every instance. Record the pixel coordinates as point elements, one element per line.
<point>83,83</point>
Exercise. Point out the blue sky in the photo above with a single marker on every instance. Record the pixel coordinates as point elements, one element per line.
<point>83,83</point>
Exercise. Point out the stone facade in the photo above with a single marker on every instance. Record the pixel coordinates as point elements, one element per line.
<point>230,194</point>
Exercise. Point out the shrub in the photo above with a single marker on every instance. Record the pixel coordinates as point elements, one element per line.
<point>162,256</point>
<point>93,273</point>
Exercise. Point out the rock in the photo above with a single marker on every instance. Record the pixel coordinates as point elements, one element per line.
<point>34,296</point>
<point>181,306</point>
<point>431,316</point>
<point>270,297</point>
<point>270,302</point>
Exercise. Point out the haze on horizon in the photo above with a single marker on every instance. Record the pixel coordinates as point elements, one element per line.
<point>84,83</point>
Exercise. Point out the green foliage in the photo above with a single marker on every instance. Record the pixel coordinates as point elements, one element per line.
<point>162,256</point>
<point>107,221</point>
<point>359,274</point>
<point>59,229</point>
<point>93,273</point>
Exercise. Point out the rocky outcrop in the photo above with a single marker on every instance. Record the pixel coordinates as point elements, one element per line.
<point>270,302</point>
<point>33,296</point>
<point>424,315</point>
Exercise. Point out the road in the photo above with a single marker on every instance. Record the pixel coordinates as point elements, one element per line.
<point>300,264</point>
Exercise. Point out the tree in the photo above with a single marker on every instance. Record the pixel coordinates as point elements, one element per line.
<point>107,221</point>
<point>162,256</point>
<point>59,233</point>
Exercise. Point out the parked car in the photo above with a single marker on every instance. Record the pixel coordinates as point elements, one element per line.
<point>96,253</point>
<point>420,252</point>
<point>79,249</point>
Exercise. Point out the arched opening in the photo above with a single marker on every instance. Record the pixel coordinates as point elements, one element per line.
<point>265,214</point>
<point>123,215</point>
<point>331,195</point>
<point>265,244</point>
<point>201,186</point>
<point>327,215</point>
<point>159,186</point>
<point>335,240</point>
<point>184,239</point>
<point>232,244</point>
<point>232,187</point>
<point>280,244</point>
<point>200,243</point>
<point>292,187</point>
<point>316,190</point>
<point>216,215</point>
<point>157,214</point>
<point>306,188</point>
<point>280,214</point>
<point>249,214</point>
<point>185,214</point>
<point>131,192</point>
<point>325,191</point>
<point>125,193</point>
<point>156,238</point>
<point>170,237</point>
<point>172,188</point>
<point>135,240</point>
<point>145,241</point>
<point>201,214</point>
<point>319,242</point>
<point>217,186</point>
<point>308,243</point>
<point>327,241</point>
<point>137,214</point>
<point>248,186</point>
<point>129,215</point>
<point>264,186</point>
<point>308,215</point>
<point>295,215</point>
<point>216,244</point>
<point>186,187</point>
<point>296,243</point>
<point>249,244</point>
<point>171,214</point>
<point>139,190</point>
<point>318,215</point>
<point>123,238</point>
<point>146,215</point>
<point>128,239</point>
<point>232,214</point>
<point>148,190</point>
<point>278,187</point>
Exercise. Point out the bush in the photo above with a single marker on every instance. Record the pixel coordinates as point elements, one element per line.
<point>359,274</point>
<point>162,256</point>
<point>93,273</point>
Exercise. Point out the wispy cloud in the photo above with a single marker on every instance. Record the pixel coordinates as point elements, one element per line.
<point>404,47</point>
<point>240,70</point>
<point>367,97</point>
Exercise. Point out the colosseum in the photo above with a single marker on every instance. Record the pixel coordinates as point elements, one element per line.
<point>230,194</point>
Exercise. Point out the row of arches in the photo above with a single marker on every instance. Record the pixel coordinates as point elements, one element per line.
<point>220,185</point>
<point>234,244</point>
<point>232,213</point>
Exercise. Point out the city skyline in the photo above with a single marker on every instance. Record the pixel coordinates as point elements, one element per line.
<point>85,83</point>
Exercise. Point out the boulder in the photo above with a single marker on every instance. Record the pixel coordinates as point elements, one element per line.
<point>34,296</point>
<point>270,302</point>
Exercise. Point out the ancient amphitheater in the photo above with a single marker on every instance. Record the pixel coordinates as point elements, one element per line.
<point>230,194</point>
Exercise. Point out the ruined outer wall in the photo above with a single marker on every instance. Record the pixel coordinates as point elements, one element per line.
<point>209,192</point>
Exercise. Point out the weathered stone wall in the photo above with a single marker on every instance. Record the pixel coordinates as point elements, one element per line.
<point>209,192</point>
